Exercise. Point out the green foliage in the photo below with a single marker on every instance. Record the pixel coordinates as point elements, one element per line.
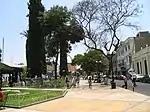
<point>60,28</point>
<point>91,61</point>
<point>77,60</point>
<point>53,83</point>
<point>35,41</point>
<point>24,73</point>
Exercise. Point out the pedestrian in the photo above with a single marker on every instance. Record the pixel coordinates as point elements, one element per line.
<point>134,80</point>
<point>78,80</point>
<point>74,81</point>
<point>125,82</point>
<point>67,82</point>
<point>90,82</point>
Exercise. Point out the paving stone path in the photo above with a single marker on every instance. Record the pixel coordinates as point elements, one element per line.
<point>98,99</point>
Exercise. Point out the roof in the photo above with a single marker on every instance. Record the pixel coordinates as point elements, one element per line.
<point>4,69</point>
<point>15,65</point>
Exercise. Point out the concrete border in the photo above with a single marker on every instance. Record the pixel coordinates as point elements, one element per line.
<point>19,107</point>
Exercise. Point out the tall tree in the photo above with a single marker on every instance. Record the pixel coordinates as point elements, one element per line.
<point>92,61</point>
<point>52,50</point>
<point>35,41</point>
<point>102,21</point>
<point>59,22</point>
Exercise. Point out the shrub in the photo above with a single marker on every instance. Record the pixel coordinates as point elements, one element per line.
<point>54,83</point>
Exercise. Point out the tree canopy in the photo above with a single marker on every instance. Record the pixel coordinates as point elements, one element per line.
<point>35,41</point>
<point>103,20</point>
<point>91,61</point>
<point>59,26</point>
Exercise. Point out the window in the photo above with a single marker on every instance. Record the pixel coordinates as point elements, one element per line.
<point>141,67</point>
<point>138,69</point>
<point>129,47</point>
<point>126,48</point>
<point>145,63</point>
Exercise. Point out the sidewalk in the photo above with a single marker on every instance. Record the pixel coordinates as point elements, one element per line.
<point>98,99</point>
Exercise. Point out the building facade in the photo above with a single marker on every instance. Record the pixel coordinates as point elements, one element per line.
<point>129,50</point>
<point>124,55</point>
<point>72,68</point>
<point>141,61</point>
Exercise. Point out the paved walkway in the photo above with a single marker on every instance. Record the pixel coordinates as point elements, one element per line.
<point>98,99</point>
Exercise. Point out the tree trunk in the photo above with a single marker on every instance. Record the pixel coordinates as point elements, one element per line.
<point>56,63</point>
<point>35,38</point>
<point>63,58</point>
<point>0,80</point>
<point>111,69</point>
<point>27,58</point>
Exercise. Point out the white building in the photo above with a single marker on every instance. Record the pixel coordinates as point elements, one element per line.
<point>124,55</point>
<point>141,61</point>
<point>134,46</point>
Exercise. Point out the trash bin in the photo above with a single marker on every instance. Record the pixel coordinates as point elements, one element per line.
<point>113,85</point>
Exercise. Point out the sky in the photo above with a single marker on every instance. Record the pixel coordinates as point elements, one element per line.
<point>13,21</point>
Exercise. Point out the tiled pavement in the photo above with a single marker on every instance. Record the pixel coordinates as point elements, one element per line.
<point>97,99</point>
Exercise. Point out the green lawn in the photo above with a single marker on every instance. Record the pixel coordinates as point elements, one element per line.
<point>26,97</point>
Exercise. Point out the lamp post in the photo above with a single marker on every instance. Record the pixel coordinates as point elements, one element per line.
<point>98,62</point>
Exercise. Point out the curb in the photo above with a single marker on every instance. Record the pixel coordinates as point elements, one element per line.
<point>19,107</point>
<point>52,89</point>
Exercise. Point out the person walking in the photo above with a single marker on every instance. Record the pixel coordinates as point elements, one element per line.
<point>74,81</point>
<point>125,82</point>
<point>134,80</point>
<point>78,80</point>
<point>67,82</point>
<point>90,82</point>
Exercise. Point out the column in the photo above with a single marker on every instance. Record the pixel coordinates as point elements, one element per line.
<point>143,66</point>
<point>135,66</point>
<point>148,63</point>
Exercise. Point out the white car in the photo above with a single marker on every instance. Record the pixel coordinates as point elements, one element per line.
<point>139,76</point>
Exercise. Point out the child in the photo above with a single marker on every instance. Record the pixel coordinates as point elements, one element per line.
<point>78,80</point>
<point>67,82</point>
<point>90,82</point>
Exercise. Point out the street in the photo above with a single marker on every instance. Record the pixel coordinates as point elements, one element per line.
<point>142,88</point>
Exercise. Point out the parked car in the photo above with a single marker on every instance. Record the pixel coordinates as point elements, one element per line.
<point>138,76</point>
<point>145,79</point>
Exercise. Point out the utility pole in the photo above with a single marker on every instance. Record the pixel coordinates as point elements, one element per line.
<point>2,50</point>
